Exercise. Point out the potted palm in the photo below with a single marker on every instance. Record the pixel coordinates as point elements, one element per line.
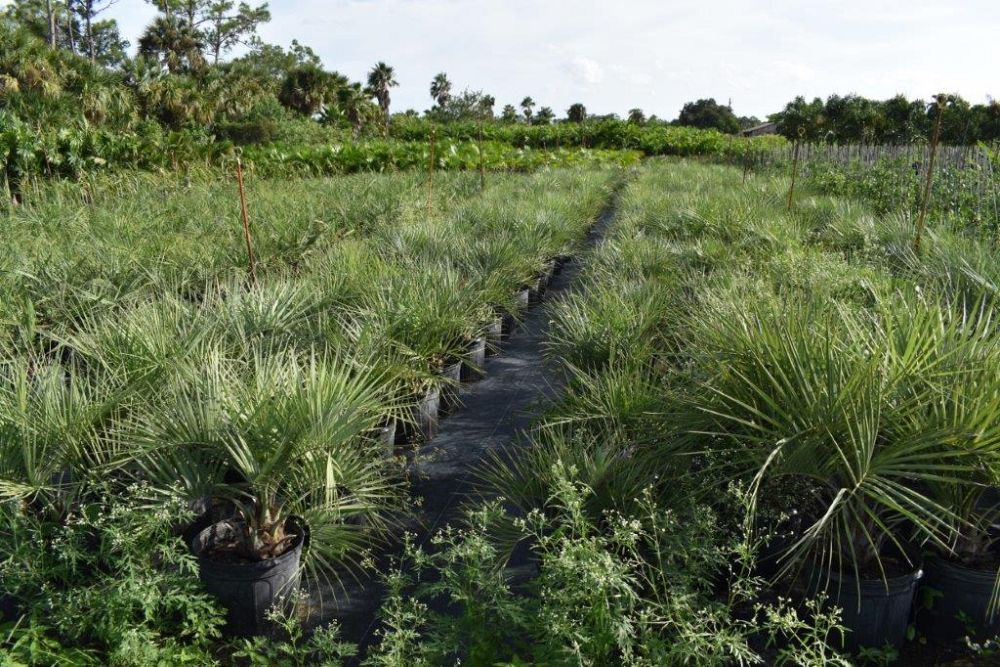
<point>959,593</point>
<point>836,403</point>
<point>425,315</point>
<point>271,448</point>
<point>55,425</point>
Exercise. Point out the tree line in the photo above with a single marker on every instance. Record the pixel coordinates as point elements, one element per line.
<point>897,120</point>
<point>64,63</point>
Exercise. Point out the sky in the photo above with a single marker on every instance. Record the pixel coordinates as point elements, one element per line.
<point>652,54</point>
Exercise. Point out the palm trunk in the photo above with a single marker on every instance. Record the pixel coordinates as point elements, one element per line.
<point>88,21</point>
<point>69,26</point>
<point>50,14</point>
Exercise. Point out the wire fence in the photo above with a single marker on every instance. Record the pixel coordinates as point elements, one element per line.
<point>966,179</point>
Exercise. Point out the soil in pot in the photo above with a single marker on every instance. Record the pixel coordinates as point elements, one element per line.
<point>954,601</point>
<point>474,367</point>
<point>449,392</point>
<point>875,611</point>
<point>248,589</point>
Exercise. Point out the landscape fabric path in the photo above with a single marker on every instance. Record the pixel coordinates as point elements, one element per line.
<point>496,412</point>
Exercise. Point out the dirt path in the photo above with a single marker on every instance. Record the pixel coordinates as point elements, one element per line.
<point>495,412</point>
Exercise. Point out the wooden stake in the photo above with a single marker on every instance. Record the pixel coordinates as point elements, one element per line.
<point>482,168</point>
<point>795,167</point>
<point>246,222</point>
<point>430,176</point>
<point>930,175</point>
<point>746,161</point>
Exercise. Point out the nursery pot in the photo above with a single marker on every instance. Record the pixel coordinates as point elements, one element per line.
<point>449,392</point>
<point>536,290</point>
<point>507,324</point>
<point>474,368</point>
<point>10,608</point>
<point>425,414</point>
<point>954,601</point>
<point>522,297</point>
<point>247,590</point>
<point>884,610</point>
<point>494,336</point>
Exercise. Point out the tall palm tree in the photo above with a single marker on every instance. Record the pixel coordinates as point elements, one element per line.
<point>173,43</point>
<point>357,109</point>
<point>527,104</point>
<point>441,89</point>
<point>380,79</point>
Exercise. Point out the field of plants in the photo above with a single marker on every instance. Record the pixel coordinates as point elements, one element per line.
<point>775,443</point>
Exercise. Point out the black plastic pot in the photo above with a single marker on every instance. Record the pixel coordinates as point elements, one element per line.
<point>248,590</point>
<point>474,367</point>
<point>881,614</point>
<point>536,290</point>
<point>494,336</point>
<point>425,415</point>
<point>507,324</point>
<point>954,601</point>
<point>449,392</point>
<point>10,608</point>
<point>522,297</point>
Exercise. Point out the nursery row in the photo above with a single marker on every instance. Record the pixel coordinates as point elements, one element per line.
<point>777,440</point>
<point>141,369</point>
<point>778,444</point>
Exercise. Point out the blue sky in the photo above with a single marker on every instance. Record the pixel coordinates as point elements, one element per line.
<point>654,54</point>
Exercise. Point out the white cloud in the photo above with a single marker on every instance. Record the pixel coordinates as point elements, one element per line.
<point>585,70</point>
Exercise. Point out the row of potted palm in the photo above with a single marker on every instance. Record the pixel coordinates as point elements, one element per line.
<point>263,407</point>
<point>723,340</point>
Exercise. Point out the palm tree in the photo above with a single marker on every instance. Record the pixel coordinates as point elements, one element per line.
<point>441,89</point>
<point>357,109</point>
<point>486,104</point>
<point>380,79</point>
<point>509,114</point>
<point>527,104</point>
<point>636,116</point>
<point>545,116</point>
<point>173,43</point>
<point>577,113</point>
<point>306,88</point>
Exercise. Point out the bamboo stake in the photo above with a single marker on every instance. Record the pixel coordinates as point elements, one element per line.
<point>930,175</point>
<point>746,161</point>
<point>246,222</point>
<point>430,176</point>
